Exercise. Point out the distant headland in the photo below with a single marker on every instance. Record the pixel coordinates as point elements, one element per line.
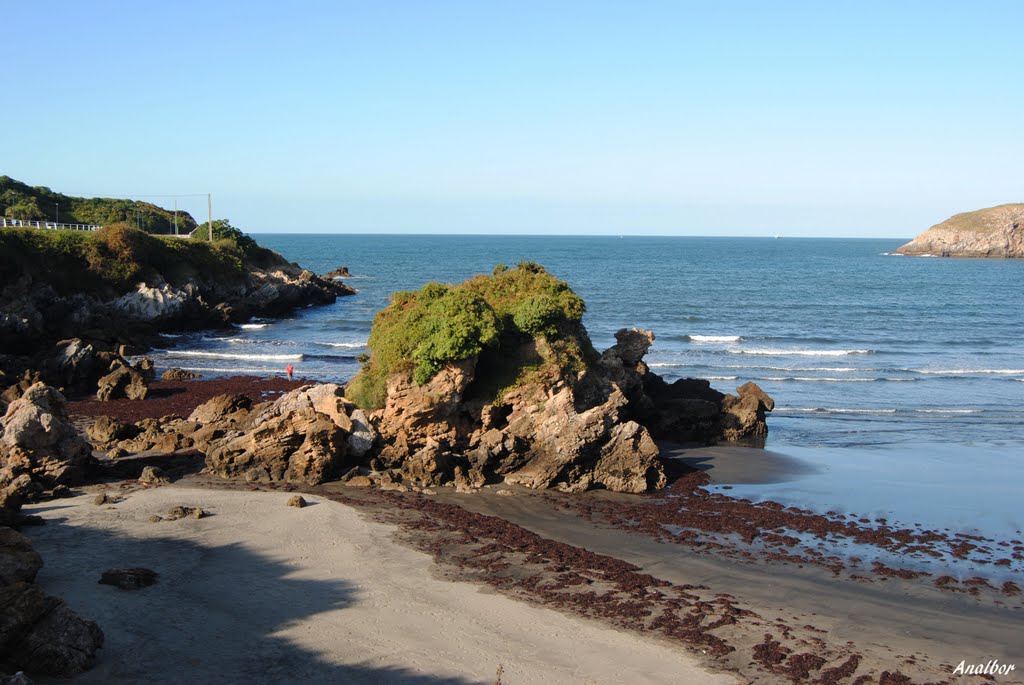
<point>992,232</point>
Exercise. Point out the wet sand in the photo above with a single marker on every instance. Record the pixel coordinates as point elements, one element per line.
<point>783,610</point>
<point>259,592</point>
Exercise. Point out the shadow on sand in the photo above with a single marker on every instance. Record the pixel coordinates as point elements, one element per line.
<point>218,614</point>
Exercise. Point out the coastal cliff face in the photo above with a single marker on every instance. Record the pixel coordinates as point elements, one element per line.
<point>121,286</point>
<point>993,232</point>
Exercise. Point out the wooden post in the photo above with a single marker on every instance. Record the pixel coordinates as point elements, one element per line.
<point>209,216</point>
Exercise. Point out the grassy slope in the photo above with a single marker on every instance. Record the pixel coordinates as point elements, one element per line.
<point>109,262</point>
<point>988,220</point>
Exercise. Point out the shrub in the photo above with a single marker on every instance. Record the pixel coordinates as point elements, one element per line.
<point>494,315</point>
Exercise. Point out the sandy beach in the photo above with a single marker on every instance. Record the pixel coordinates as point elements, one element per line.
<point>592,587</point>
<point>261,592</point>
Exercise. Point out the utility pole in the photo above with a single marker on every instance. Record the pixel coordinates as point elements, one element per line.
<point>175,216</point>
<point>57,207</point>
<point>209,216</point>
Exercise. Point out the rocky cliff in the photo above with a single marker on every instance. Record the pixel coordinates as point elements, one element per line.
<point>122,286</point>
<point>993,232</point>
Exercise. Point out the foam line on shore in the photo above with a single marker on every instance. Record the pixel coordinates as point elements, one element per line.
<point>233,355</point>
<point>783,352</point>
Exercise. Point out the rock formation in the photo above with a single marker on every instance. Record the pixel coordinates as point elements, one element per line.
<point>340,272</point>
<point>201,286</point>
<point>39,450</point>
<point>993,232</point>
<point>595,429</point>
<point>38,441</point>
<point>524,398</point>
<point>38,633</point>
<point>301,436</point>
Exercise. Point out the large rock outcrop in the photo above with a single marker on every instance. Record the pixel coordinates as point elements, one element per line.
<point>38,441</point>
<point>496,379</point>
<point>301,436</point>
<point>39,633</point>
<point>571,431</point>
<point>39,450</point>
<point>993,232</point>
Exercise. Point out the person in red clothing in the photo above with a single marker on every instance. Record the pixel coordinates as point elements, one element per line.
<point>289,370</point>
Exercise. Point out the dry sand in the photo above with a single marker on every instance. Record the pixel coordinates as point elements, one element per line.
<point>262,592</point>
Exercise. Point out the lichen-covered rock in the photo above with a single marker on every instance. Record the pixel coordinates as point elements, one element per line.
<point>105,431</point>
<point>19,562</point>
<point>361,439</point>
<point>61,644</point>
<point>73,365</point>
<point>154,475</point>
<point>175,374</point>
<point>123,381</point>
<point>36,438</point>
<point>301,436</point>
<point>222,409</point>
<point>40,634</point>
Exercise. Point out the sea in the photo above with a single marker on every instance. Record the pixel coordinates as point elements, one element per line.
<point>856,345</point>
<point>898,381</point>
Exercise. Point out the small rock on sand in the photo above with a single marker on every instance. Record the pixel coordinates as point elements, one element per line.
<point>154,475</point>
<point>176,513</point>
<point>296,501</point>
<point>129,578</point>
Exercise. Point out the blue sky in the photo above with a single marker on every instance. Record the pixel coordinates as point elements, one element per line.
<point>689,118</point>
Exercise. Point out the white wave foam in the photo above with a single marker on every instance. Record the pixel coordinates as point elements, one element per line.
<point>833,369</point>
<point>714,338</point>
<point>822,379</point>
<point>253,325</point>
<point>782,352</point>
<point>945,411</point>
<point>665,365</point>
<point>231,355</point>
<point>967,372</point>
<point>818,379</point>
<point>833,410</point>
<point>246,370</point>
<point>720,378</point>
<point>344,344</point>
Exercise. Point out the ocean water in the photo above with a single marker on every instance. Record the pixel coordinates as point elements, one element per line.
<point>859,348</point>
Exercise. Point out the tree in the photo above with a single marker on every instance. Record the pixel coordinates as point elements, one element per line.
<point>26,208</point>
<point>223,230</point>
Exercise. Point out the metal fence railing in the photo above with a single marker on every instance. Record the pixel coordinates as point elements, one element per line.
<point>27,223</point>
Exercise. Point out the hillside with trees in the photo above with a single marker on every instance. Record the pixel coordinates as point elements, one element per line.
<point>21,201</point>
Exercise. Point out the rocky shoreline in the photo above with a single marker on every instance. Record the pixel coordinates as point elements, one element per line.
<point>563,420</point>
<point>995,232</point>
<point>531,565</point>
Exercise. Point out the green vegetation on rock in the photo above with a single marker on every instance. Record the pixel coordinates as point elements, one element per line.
<point>113,259</point>
<point>492,317</point>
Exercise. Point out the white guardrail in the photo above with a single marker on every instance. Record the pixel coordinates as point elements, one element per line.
<point>25,223</point>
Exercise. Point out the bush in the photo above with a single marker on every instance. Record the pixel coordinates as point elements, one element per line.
<point>422,331</point>
<point>112,260</point>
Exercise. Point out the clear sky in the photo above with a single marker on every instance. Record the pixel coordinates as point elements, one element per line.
<point>691,118</point>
